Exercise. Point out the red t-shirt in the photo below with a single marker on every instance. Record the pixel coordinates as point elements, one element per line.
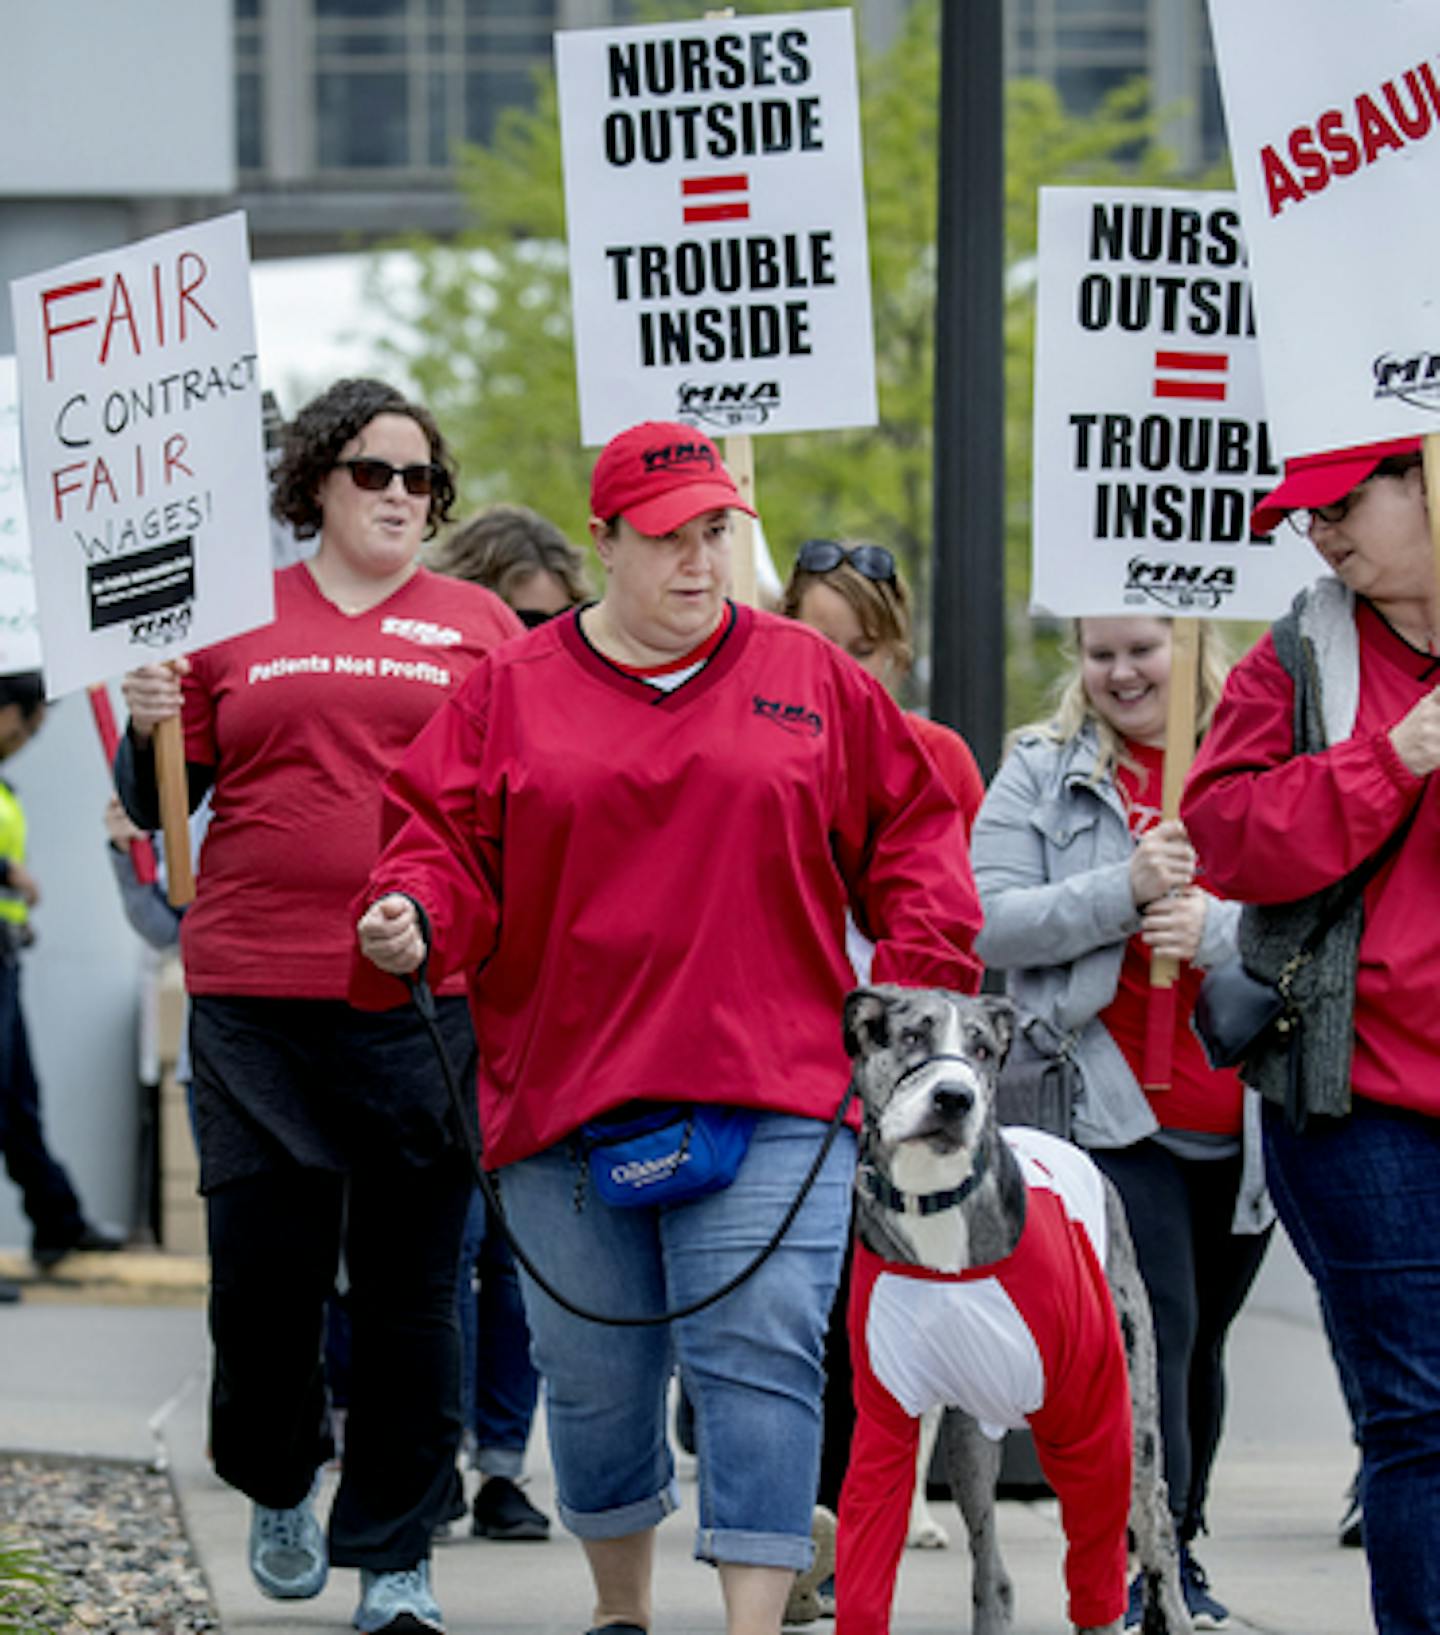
<point>954,762</point>
<point>1273,826</point>
<point>1199,1098</point>
<point>301,720</point>
<point>648,889</point>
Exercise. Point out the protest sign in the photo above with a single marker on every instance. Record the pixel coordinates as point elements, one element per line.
<point>19,626</point>
<point>1333,111</point>
<point>716,221</point>
<point>144,472</point>
<point>1150,438</point>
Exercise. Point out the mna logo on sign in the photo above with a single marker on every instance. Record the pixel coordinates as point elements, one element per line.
<point>1183,587</point>
<point>728,406</point>
<point>1191,375</point>
<point>1414,379</point>
<point>728,196</point>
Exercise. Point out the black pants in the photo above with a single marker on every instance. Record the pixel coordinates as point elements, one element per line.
<point>275,1241</point>
<point>1197,1273</point>
<point>383,1184</point>
<point>45,1190</point>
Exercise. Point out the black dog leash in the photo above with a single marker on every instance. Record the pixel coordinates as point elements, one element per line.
<point>424,1002</point>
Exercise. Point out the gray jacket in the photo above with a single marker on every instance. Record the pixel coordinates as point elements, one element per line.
<point>1051,852</point>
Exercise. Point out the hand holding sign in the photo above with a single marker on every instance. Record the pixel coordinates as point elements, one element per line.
<point>1163,861</point>
<point>153,697</point>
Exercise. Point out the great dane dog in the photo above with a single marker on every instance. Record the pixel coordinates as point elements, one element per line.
<point>994,1274</point>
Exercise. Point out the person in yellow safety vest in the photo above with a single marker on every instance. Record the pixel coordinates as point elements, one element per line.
<point>58,1223</point>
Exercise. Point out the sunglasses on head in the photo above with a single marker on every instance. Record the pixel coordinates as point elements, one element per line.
<point>873,562</point>
<point>375,476</point>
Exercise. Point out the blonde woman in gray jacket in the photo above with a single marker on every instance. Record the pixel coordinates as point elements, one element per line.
<point>1082,884</point>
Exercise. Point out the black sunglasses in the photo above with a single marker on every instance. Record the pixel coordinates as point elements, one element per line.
<point>375,476</point>
<point>874,562</point>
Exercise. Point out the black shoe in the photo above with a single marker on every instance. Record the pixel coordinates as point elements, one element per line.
<point>502,1511</point>
<point>92,1240</point>
<point>9,1292</point>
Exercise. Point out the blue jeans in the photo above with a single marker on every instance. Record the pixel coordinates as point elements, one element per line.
<point>751,1364</point>
<point>498,1382</point>
<point>1360,1198</point>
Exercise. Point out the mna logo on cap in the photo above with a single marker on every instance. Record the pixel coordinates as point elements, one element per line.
<point>677,456</point>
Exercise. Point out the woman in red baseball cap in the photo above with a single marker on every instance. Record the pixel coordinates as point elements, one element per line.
<point>638,832</point>
<point>1311,801</point>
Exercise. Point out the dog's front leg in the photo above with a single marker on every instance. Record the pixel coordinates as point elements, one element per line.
<point>973,1463</point>
<point>925,1532</point>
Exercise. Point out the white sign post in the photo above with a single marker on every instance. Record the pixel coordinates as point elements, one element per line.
<point>145,474</point>
<point>1150,439</point>
<point>1333,110</point>
<point>19,625</point>
<point>715,213</point>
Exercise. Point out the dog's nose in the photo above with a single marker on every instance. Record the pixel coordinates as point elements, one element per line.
<point>951,1100</point>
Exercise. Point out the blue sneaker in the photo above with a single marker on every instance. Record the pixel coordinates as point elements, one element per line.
<point>398,1603</point>
<point>1135,1606</point>
<point>288,1558</point>
<point>1205,1611</point>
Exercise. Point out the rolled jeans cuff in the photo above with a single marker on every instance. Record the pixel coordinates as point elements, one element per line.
<point>727,1545</point>
<point>509,1462</point>
<point>639,1517</point>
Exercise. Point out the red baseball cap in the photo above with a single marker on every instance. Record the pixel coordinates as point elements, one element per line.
<point>1321,479</point>
<point>658,475</point>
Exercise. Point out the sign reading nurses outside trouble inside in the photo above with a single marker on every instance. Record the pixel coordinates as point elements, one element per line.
<point>716,221</point>
<point>145,476</point>
<point>1333,109</point>
<point>1151,442</point>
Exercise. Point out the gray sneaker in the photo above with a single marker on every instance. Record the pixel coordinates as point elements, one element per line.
<point>288,1558</point>
<point>398,1603</point>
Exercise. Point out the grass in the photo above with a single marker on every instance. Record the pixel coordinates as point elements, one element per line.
<point>27,1588</point>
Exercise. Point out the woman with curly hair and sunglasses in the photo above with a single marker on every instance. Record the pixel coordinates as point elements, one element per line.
<point>321,1129</point>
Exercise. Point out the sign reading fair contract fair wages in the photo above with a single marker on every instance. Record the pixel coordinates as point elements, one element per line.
<point>1151,444</point>
<point>144,468</point>
<point>716,219</point>
<point>1333,109</point>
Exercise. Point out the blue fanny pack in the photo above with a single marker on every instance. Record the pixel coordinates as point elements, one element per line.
<point>667,1153</point>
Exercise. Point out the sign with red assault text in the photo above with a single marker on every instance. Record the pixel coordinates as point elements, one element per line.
<point>1333,110</point>
<point>715,212</point>
<point>145,476</point>
<point>1151,444</point>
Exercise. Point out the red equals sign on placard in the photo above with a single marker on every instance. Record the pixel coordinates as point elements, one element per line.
<point>727,197</point>
<point>1192,375</point>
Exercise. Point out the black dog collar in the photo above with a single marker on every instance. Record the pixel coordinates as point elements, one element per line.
<point>889,1196</point>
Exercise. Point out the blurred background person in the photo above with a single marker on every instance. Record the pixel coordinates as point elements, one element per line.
<point>1082,884</point>
<point>520,555</point>
<point>59,1225</point>
<point>526,560</point>
<point>1312,773</point>
<point>322,1130</point>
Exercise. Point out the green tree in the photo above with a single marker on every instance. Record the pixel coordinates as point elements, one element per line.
<point>484,329</point>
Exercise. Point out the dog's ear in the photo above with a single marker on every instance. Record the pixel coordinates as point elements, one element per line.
<point>867,1022</point>
<point>1002,1015</point>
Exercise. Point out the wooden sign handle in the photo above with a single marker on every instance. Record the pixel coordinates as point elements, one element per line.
<point>1179,753</point>
<point>740,462</point>
<point>174,811</point>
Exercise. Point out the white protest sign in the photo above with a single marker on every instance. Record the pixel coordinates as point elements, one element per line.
<point>1150,442</point>
<point>1333,110</point>
<point>715,212</point>
<point>145,476</point>
<point>19,625</point>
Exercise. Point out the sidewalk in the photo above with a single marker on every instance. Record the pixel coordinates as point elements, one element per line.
<point>128,1382</point>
